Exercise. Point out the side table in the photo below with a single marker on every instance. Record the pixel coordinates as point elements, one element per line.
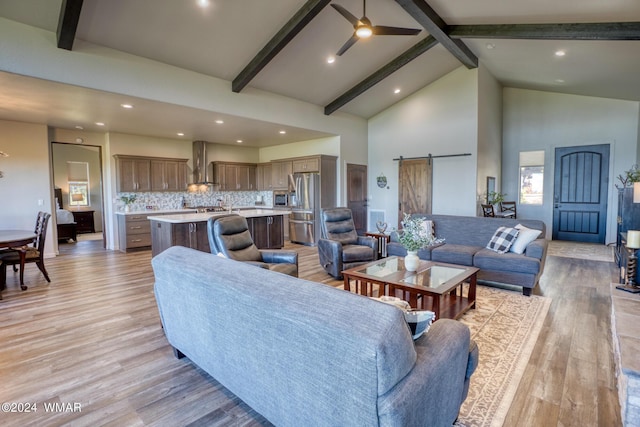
<point>84,221</point>
<point>383,239</point>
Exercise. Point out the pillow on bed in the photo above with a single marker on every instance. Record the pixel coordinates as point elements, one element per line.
<point>525,236</point>
<point>64,216</point>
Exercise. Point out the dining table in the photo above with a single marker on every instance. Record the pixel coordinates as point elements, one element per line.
<point>18,240</point>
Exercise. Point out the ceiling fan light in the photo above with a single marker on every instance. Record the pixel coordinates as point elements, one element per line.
<point>364,31</point>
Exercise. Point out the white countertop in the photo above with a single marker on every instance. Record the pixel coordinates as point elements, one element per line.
<point>198,217</point>
<point>157,212</point>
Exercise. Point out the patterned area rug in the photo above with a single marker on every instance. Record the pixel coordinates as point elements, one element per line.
<point>505,325</point>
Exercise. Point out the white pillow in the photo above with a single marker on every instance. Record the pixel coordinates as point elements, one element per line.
<point>525,236</point>
<point>429,229</point>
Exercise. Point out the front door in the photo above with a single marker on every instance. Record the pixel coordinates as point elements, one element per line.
<point>580,193</point>
<point>414,193</point>
<point>357,195</point>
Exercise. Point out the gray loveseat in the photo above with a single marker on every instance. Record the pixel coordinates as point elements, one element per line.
<point>304,353</point>
<point>465,243</point>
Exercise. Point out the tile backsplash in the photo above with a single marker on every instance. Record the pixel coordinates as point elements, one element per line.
<point>170,201</point>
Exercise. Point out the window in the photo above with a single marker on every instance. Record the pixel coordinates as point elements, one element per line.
<point>531,177</point>
<point>78,176</point>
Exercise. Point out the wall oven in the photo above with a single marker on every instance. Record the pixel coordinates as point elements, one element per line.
<point>280,198</point>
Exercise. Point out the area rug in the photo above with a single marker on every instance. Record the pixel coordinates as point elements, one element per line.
<point>505,325</point>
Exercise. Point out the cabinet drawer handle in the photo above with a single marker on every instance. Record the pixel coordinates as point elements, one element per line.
<point>136,228</point>
<point>136,240</point>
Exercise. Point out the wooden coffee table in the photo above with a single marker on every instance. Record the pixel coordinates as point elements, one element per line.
<point>433,286</point>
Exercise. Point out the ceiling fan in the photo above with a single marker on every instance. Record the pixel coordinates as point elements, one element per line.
<point>364,29</point>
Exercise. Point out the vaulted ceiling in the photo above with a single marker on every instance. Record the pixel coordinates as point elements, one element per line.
<point>282,46</point>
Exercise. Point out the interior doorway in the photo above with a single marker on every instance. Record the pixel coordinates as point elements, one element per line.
<point>77,180</point>
<point>415,179</point>
<point>357,195</point>
<point>580,193</point>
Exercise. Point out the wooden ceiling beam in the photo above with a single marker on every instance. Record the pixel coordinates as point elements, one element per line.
<point>301,18</point>
<point>433,23</point>
<point>68,23</point>
<point>390,68</point>
<point>585,31</point>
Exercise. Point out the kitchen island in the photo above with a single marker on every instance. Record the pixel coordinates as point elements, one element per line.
<point>190,230</point>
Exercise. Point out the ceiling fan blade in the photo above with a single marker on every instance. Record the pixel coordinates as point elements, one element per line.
<point>381,30</point>
<point>344,12</point>
<point>348,44</point>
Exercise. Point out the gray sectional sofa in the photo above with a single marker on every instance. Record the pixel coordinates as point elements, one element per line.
<point>465,243</point>
<point>304,353</point>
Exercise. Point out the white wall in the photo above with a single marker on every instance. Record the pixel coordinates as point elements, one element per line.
<point>536,120</point>
<point>489,133</point>
<point>27,185</point>
<point>440,119</point>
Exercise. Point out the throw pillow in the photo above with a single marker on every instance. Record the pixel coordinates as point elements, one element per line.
<point>429,228</point>
<point>419,321</point>
<point>502,239</point>
<point>525,236</point>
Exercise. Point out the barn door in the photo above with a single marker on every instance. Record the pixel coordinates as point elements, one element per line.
<point>580,193</point>
<point>414,193</point>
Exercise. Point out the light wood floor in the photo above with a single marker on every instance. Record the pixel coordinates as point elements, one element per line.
<point>93,337</point>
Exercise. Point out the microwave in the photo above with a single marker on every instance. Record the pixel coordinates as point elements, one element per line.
<point>280,198</point>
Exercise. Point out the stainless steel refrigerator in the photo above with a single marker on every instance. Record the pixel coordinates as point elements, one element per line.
<point>305,204</point>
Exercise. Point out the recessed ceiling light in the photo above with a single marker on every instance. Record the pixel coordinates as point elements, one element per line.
<point>128,106</point>
<point>180,134</point>
<point>239,141</point>
<point>491,46</point>
<point>219,122</point>
<point>99,124</point>
<point>282,132</point>
<point>79,127</point>
<point>203,3</point>
<point>396,90</point>
<point>560,53</point>
<point>331,60</point>
<point>559,81</point>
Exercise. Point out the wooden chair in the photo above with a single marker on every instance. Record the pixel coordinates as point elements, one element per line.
<point>487,210</point>
<point>35,253</point>
<point>507,208</point>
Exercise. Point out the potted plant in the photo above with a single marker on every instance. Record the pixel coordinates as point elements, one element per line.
<point>414,236</point>
<point>495,197</point>
<point>128,200</point>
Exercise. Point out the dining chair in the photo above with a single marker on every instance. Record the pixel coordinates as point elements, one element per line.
<point>487,210</point>
<point>508,207</point>
<point>34,253</point>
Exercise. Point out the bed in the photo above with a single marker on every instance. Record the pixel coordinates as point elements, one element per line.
<point>67,227</point>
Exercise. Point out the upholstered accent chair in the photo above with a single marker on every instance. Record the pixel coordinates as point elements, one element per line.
<point>34,253</point>
<point>229,236</point>
<point>340,247</point>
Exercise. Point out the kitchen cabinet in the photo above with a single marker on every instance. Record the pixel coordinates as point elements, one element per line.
<point>310,164</point>
<point>137,174</point>
<point>168,175</point>
<point>235,176</point>
<point>267,231</point>
<point>263,177</point>
<point>134,232</point>
<point>188,234</point>
<point>280,171</point>
<point>133,174</point>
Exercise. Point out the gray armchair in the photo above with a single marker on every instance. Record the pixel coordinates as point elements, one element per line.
<point>229,235</point>
<point>340,247</point>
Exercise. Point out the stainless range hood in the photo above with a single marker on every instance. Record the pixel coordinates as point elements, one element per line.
<point>202,173</point>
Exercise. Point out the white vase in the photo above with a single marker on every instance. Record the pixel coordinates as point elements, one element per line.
<point>411,261</point>
<point>127,208</point>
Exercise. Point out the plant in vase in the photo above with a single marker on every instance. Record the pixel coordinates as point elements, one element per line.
<point>128,200</point>
<point>495,198</point>
<point>415,236</point>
